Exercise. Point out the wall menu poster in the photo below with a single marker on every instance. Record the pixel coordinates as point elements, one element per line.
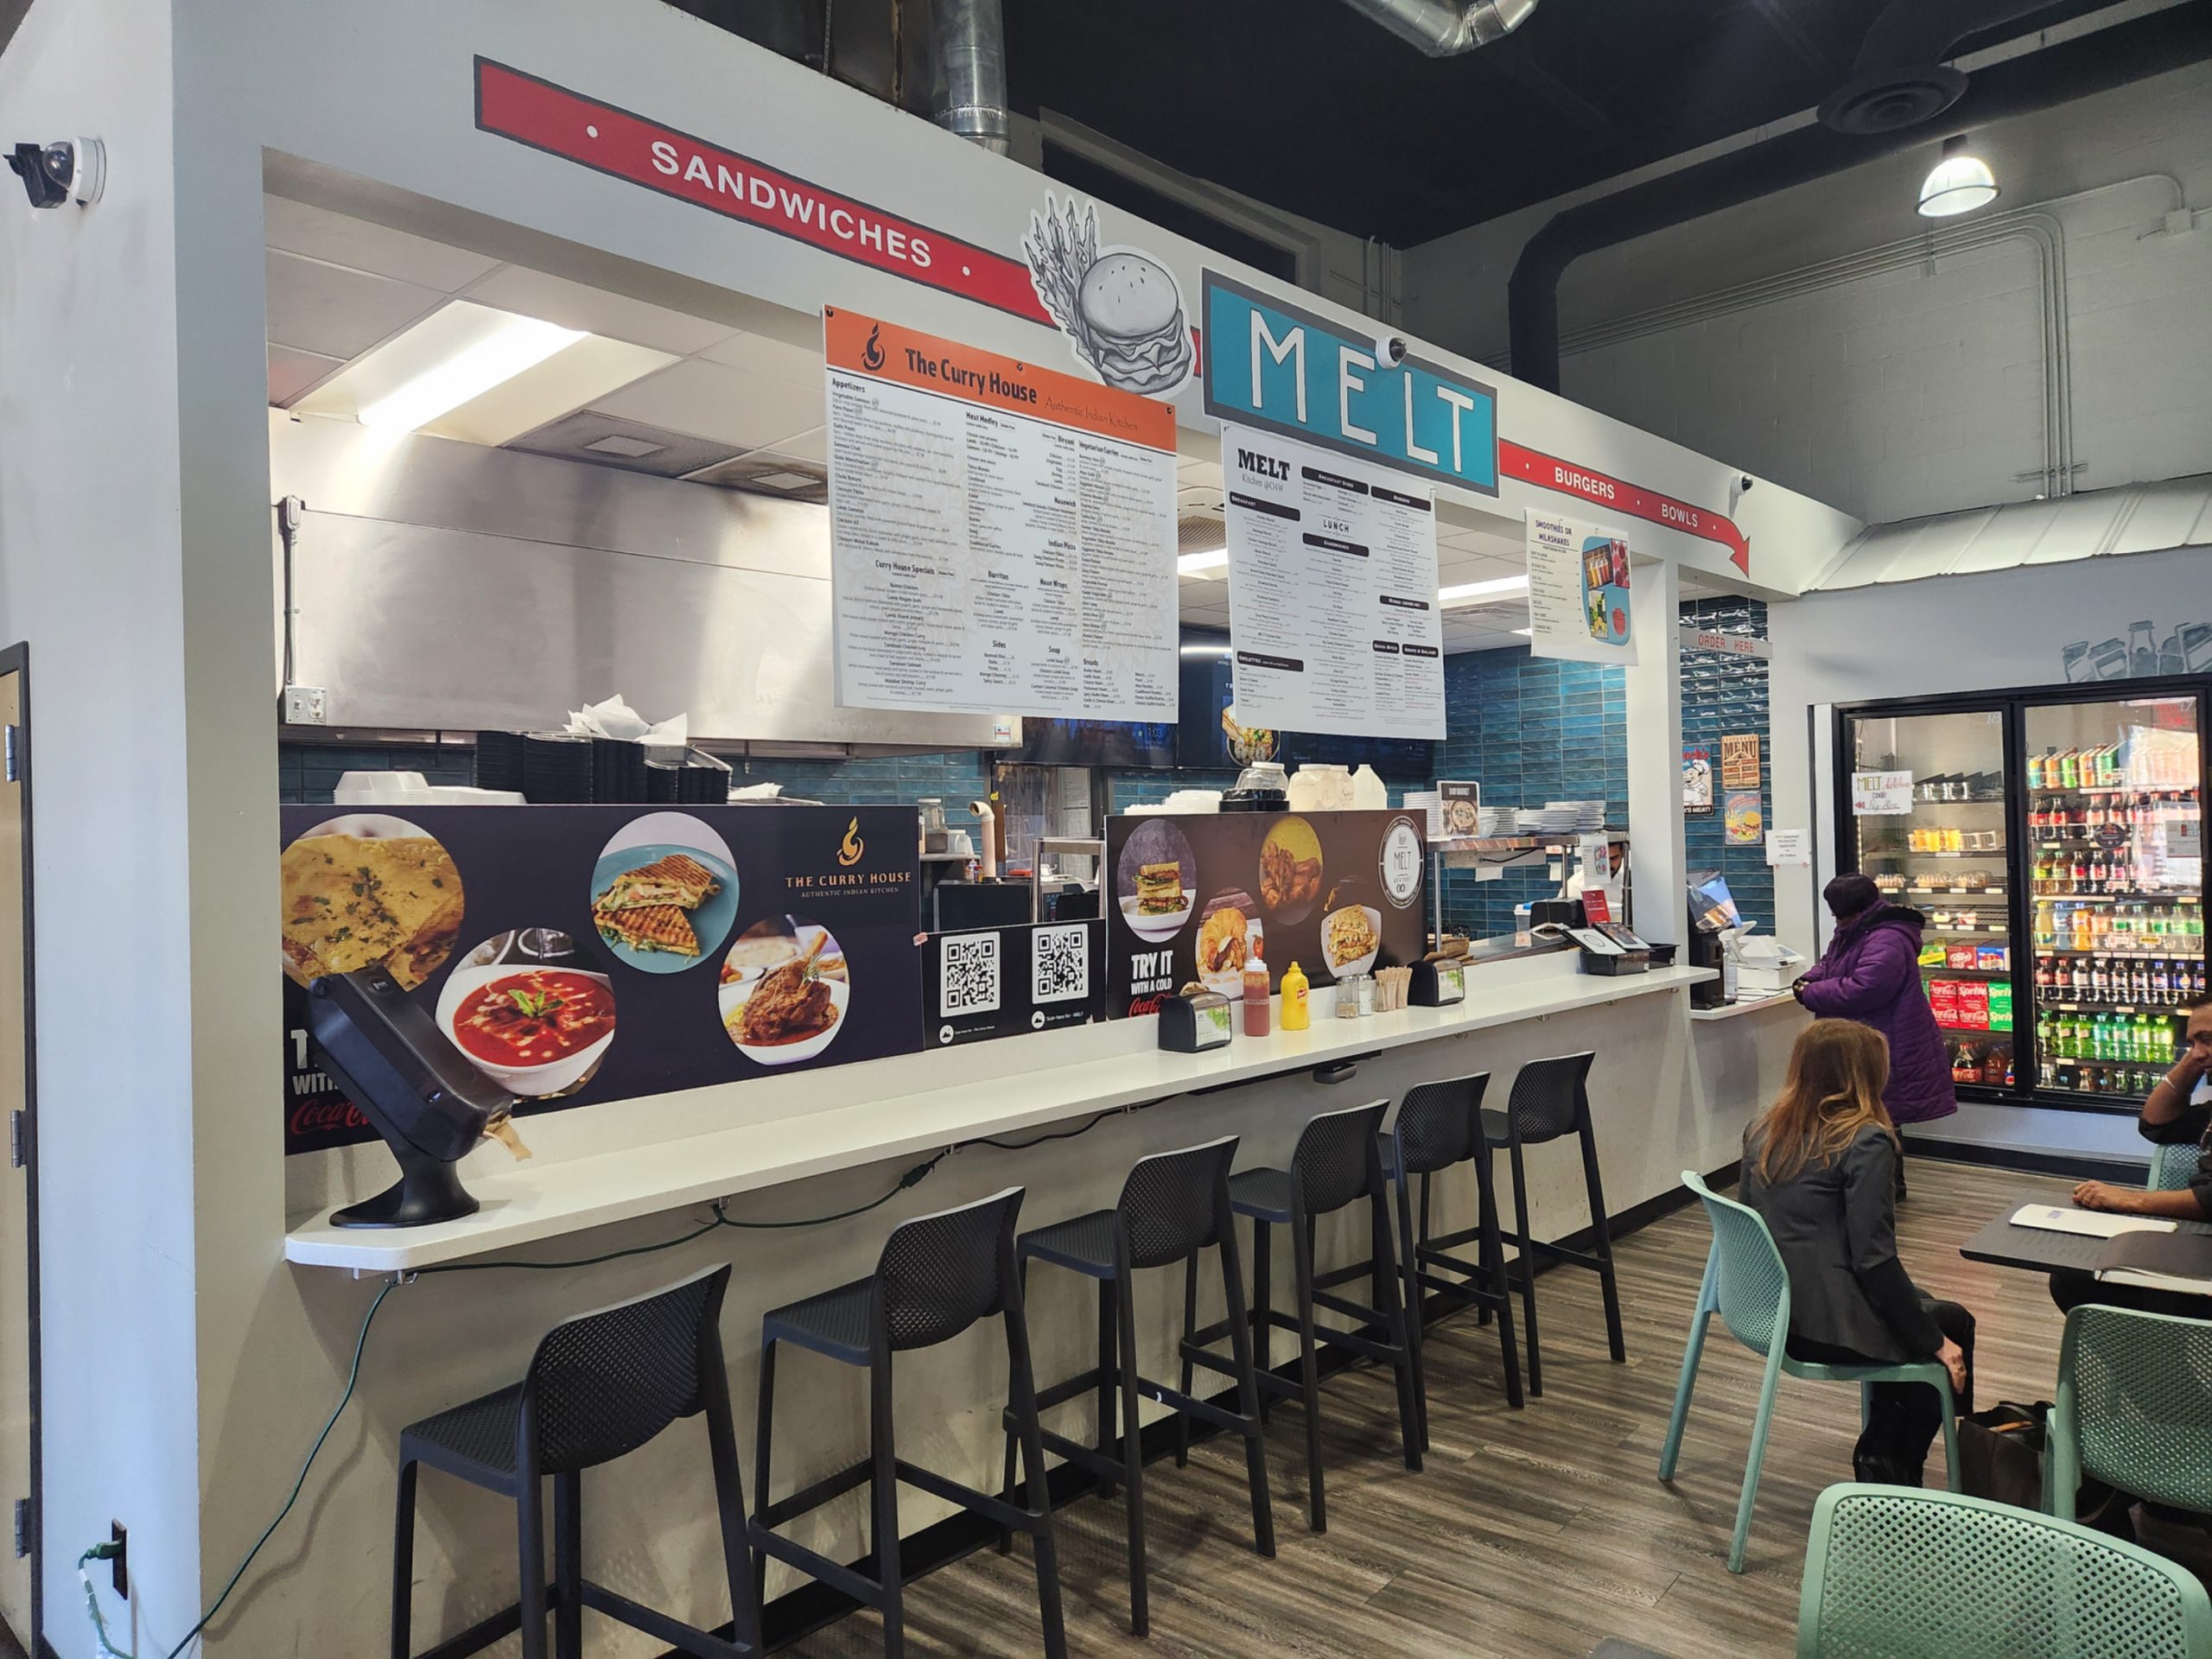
<point>1333,622</point>
<point>1004,981</point>
<point>1002,536</point>
<point>1697,780</point>
<point>1745,820</point>
<point>1195,895</point>
<point>582,955</point>
<point>1739,761</point>
<point>1578,603</point>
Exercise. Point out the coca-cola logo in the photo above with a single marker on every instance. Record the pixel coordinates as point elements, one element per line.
<point>1143,1005</point>
<point>326,1116</point>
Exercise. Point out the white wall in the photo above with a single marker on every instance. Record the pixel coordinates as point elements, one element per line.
<point>1918,389</point>
<point>91,575</point>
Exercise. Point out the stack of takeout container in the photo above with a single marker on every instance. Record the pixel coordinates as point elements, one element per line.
<point>557,768</point>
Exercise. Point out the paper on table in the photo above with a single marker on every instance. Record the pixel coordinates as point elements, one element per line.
<point>2091,1224</point>
<point>2143,1278</point>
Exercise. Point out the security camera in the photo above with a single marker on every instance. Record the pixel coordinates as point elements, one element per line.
<point>1390,351</point>
<point>66,169</point>
<point>1744,484</point>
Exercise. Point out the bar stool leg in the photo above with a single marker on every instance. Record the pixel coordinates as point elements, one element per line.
<point>886,1508</point>
<point>530,1540</point>
<point>403,1567</point>
<point>763,1438</point>
<point>1021,1395</point>
<point>1522,1232</point>
<point>729,1511</point>
<point>1603,1230</point>
<point>1006,1484</point>
<point>1309,1382</point>
<point>1109,1372</point>
<point>1395,1328</point>
<point>1248,1385</point>
<point>1409,1266</point>
<point>1262,1303</point>
<point>1191,1329</point>
<point>1132,1463</point>
<point>568,1566</point>
<point>1491,1256</point>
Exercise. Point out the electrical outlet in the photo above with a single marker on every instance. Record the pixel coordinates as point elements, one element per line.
<point>306,705</point>
<point>118,1565</point>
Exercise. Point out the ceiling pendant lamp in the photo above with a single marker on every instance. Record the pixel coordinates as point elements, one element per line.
<point>1958,184</point>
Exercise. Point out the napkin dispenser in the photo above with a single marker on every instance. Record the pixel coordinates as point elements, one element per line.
<point>427,1098</point>
<point>1437,985</point>
<point>1196,1021</point>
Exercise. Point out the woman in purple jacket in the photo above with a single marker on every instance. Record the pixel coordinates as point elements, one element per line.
<point>1871,973</point>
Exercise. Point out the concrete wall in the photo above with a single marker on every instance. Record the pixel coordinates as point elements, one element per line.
<point>1917,387</point>
<point>92,575</point>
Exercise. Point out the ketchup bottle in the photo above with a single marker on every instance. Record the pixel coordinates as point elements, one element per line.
<point>1259,1014</point>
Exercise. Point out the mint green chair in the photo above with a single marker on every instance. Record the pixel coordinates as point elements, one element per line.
<point>2134,1409</point>
<point>2172,1167</point>
<point>1895,1572</point>
<point>1747,1285</point>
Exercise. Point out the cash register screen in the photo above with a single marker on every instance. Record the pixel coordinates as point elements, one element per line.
<point>1711,904</point>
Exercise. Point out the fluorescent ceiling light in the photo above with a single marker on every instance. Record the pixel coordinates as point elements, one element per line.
<point>1197,564</point>
<point>1958,184</point>
<point>515,345</point>
<point>1206,651</point>
<point>1467,592</point>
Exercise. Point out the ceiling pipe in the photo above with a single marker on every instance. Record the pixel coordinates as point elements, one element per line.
<point>1902,75</point>
<point>971,71</point>
<point>1445,29</point>
<point>2094,63</point>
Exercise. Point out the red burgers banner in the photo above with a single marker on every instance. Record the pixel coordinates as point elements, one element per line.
<point>1566,478</point>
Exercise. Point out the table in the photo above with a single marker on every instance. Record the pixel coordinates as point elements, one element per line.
<point>2038,1250</point>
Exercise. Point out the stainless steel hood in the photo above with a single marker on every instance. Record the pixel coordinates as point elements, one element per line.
<point>440,585</point>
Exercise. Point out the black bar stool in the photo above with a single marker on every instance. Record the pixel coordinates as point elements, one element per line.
<point>599,1386</point>
<point>1338,1161</point>
<point>939,1275</point>
<point>1173,1207</point>
<point>1439,1125</point>
<point>1551,1099</point>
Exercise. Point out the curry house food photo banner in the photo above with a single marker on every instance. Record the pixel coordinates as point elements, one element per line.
<point>584,954</point>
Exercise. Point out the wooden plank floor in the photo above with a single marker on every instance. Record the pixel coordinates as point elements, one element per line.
<point>1534,1534</point>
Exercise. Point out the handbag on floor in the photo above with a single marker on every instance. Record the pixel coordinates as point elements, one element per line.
<point>2001,1458</point>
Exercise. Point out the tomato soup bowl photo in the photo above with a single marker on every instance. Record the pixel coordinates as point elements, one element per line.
<point>535,1030</point>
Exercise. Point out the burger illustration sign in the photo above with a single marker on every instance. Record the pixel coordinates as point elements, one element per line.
<point>1120,308</point>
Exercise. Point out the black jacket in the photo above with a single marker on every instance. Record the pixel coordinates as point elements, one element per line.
<point>1836,1228</point>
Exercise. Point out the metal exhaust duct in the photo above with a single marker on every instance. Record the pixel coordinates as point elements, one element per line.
<point>1901,77</point>
<point>971,71</point>
<point>1444,28</point>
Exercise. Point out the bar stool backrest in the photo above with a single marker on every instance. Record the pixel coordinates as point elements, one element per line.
<point>1336,1160</point>
<point>940,1274</point>
<point>602,1384</point>
<point>2135,1401</point>
<point>1550,1098</point>
<point>1440,1124</point>
<point>1172,1202</point>
<point>1750,1284</point>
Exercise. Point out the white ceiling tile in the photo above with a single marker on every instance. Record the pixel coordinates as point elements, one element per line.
<point>709,401</point>
<point>572,305</point>
<point>812,445</point>
<point>758,354</point>
<point>291,372</point>
<point>336,312</point>
<point>321,234</point>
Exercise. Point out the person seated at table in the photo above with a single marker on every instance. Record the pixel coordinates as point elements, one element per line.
<point>1820,1167</point>
<point>2179,1111</point>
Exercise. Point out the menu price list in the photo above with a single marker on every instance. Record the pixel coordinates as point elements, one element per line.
<point>1334,616</point>
<point>991,551</point>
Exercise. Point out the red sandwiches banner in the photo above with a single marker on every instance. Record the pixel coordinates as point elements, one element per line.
<point>1549,472</point>
<point>608,140</point>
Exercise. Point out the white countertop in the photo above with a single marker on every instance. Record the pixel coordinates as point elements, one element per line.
<point>1744,1005</point>
<point>534,1203</point>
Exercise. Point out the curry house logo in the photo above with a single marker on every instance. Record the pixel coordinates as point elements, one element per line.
<point>850,849</point>
<point>872,358</point>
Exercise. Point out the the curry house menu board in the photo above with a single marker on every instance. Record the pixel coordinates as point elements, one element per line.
<point>1194,895</point>
<point>580,954</point>
<point>1333,607</point>
<point>1002,535</point>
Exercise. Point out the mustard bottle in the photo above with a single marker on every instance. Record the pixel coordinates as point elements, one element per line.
<point>1294,1014</point>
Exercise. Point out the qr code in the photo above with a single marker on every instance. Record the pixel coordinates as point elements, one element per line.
<point>1060,964</point>
<point>971,975</point>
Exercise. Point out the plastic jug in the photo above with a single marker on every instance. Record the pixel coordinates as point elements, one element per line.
<point>1369,793</point>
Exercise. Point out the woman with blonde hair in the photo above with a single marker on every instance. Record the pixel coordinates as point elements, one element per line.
<point>1820,1167</point>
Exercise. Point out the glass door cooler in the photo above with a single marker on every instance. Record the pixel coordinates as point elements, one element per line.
<point>2055,841</point>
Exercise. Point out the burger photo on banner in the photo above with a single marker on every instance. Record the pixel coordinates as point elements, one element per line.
<point>1121,307</point>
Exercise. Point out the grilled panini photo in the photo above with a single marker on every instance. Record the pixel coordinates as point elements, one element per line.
<point>648,927</point>
<point>674,879</point>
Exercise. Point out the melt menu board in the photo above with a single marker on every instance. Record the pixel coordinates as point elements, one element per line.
<point>582,955</point>
<point>1578,606</point>
<point>1002,535</point>
<point>1332,610</point>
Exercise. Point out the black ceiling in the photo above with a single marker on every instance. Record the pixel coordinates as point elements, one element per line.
<point>1308,105</point>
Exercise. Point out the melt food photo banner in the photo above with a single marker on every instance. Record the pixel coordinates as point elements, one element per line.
<point>1002,536</point>
<point>579,955</point>
<point>1578,603</point>
<point>1332,611</point>
<point>1194,895</point>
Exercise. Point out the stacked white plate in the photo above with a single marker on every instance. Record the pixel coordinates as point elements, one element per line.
<point>1491,822</point>
<point>1586,815</point>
